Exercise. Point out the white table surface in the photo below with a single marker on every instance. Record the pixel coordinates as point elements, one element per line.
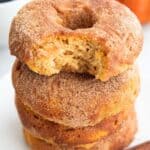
<point>10,127</point>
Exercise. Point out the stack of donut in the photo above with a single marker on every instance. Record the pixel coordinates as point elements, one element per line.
<point>75,76</point>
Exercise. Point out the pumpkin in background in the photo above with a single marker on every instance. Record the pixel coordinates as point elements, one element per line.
<point>140,7</point>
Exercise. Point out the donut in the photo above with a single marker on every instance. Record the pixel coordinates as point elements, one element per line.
<point>72,99</point>
<point>60,134</point>
<point>99,37</point>
<point>117,141</point>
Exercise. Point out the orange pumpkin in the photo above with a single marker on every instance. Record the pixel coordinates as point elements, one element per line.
<point>140,7</point>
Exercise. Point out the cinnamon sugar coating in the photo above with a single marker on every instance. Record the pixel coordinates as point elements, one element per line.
<point>99,37</point>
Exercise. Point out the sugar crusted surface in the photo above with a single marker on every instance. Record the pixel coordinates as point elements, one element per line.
<point>73,99</point>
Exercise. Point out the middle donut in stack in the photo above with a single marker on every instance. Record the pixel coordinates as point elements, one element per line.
<point>72,109</point>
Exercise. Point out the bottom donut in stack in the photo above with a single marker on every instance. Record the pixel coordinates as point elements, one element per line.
<point>116,141</point>
<point>113,133</point>
<point>71,111</point>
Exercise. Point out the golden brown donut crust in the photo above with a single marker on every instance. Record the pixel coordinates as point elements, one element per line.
<point>60,134</point>
<point>117,141</point>
<point>43,28</point>
<point>72,99</point>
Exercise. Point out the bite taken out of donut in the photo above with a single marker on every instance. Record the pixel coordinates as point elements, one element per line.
<point>99,37</point>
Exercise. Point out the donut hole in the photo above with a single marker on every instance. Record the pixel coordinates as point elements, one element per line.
<point>79,18</point>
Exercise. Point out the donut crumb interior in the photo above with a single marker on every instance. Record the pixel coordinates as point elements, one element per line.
<point>68,53</point>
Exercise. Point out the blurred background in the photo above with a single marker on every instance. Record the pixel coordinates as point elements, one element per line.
<point>9,8</point>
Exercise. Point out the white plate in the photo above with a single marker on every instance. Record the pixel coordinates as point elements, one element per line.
<point>11,137</point>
